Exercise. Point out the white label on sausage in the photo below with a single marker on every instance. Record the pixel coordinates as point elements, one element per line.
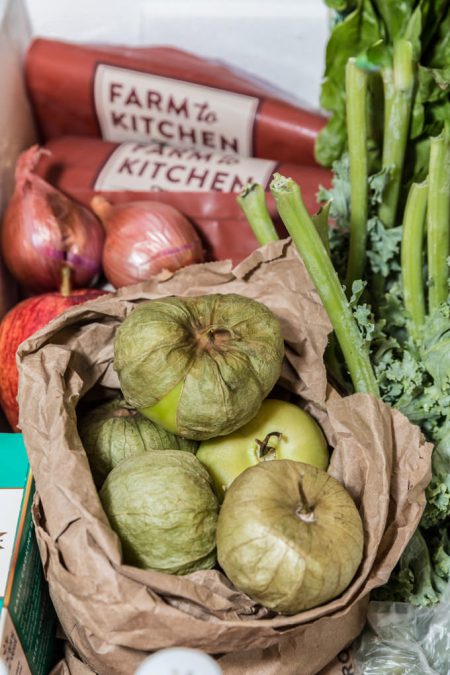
<point>135,106</point>
<point>155,166</point>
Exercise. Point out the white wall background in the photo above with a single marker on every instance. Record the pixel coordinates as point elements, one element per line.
<point>282,41</point>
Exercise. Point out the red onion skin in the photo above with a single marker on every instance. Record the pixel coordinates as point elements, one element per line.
<point>43,230</point>
<point>143,239</point>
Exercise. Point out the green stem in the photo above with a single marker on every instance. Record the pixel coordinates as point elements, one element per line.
<point>438,220</point>
<point>252,201</point>
<point>356,110</point>
<point>334,365</point>
<point>412,257</point>
<point>320,220</point>
<point>387,76</point>
<point>298,222</point>
<point>264,447</point>
<point>398,91</point>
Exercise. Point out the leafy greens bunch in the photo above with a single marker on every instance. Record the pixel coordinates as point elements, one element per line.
<point>378,249</point>
<point>370,29</point>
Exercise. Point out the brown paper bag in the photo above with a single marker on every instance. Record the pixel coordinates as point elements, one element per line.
<point>114,614</point>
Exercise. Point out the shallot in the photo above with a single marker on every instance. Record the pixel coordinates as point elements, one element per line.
<point>144,238</point>
<point>44,231</point>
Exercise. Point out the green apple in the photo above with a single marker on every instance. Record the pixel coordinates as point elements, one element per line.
<point>280,430</point>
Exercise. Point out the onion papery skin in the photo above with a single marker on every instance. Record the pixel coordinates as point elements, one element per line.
<point>43,230</point>
<point>144,239</point>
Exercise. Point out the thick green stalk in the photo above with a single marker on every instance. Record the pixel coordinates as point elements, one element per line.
<point>320,220</point>
<point>412,257</point>
<point>398,92</point>
<point>335,365</point>
<point>387,76</point>
<point>356,110</point>
<point>298,222</point>
<point>438,220</point>
<point>252,201</point>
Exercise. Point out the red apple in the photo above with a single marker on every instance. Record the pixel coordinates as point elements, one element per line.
<point>8,290</point>
<point>20,322</point>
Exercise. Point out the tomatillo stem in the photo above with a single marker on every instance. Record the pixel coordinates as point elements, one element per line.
<point>263,446</point>
<point>304,511</point>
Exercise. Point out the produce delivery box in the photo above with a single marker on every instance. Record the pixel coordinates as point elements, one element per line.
<point>251,330</point>
<point>27,618</point>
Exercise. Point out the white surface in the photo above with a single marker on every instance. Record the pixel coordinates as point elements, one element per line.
<point>282,42</point>
<point>179,661</point>
<point>10,502</point>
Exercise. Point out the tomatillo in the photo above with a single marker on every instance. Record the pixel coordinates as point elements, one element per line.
<point>289,535</point>
<point>199,366</point>
<point>280,430</point>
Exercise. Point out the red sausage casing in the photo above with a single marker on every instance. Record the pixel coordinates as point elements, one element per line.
<point>167,95</point>
<point>74,163</point>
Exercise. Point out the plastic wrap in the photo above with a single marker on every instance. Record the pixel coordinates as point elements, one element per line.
<point>404,640</point>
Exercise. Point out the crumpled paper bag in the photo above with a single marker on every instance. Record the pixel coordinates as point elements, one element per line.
<point>114,614</point>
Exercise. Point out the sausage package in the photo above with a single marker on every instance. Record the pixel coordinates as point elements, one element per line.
<point>74,163</point>
<point>164,94</point>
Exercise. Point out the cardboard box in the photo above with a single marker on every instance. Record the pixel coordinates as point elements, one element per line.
<point>28,645</point>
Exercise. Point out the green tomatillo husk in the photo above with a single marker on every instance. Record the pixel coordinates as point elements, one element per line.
<point>199,366</point>
<point>162,507</point>
<point>289,535</point>
<point>113,431</point>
